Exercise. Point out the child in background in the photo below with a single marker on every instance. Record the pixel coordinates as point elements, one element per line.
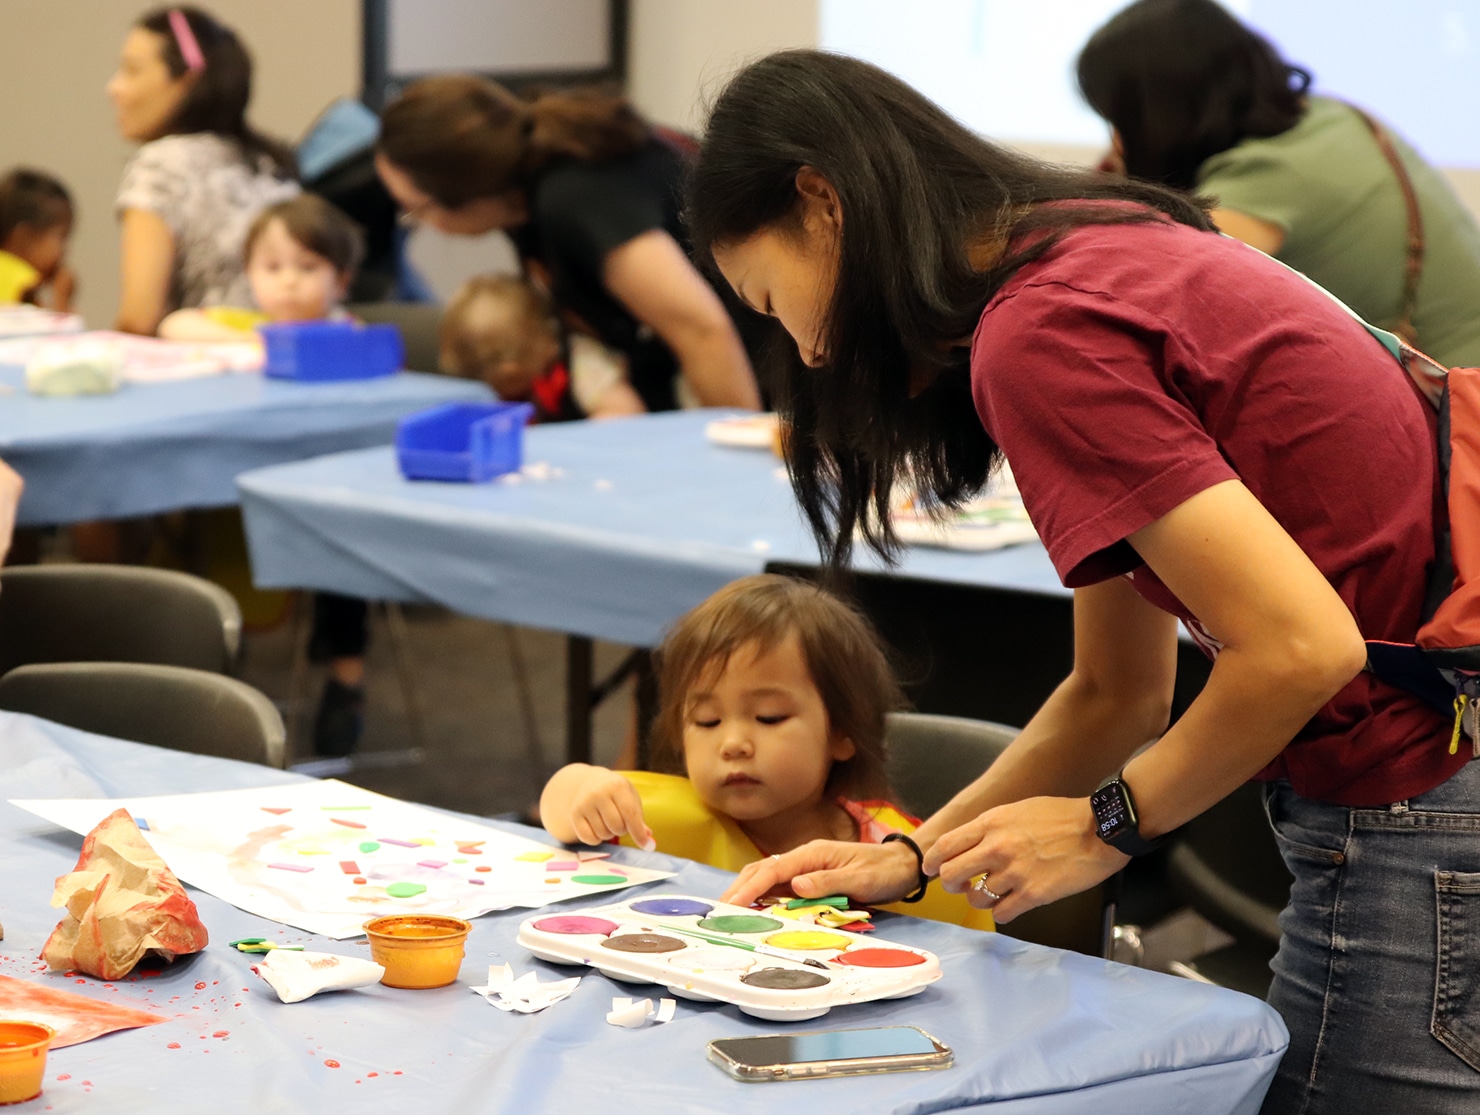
<point>300,257</point>
<point>773,695</point>
<point>503,330</point>
<point>36,217</point>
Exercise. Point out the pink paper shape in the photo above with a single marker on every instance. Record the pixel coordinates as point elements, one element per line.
<point>432,863</point>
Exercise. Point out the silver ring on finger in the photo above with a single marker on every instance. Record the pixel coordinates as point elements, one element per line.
<point>776,857</point>
<point>980,886</point>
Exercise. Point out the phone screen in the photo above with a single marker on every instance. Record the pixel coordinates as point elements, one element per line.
<point>834,1045</point>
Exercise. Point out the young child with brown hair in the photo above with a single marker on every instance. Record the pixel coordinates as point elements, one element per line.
<point>772,698</point>
<point>300,257</point>
<point>504,331</point>
<point>36,218</point>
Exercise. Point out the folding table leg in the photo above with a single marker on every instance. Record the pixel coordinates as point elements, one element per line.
<point>579,658</point>
<point>395,621</point>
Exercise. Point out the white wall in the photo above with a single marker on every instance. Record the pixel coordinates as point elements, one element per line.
<point>58,55</point>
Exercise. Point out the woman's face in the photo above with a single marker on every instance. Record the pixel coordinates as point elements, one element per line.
<point>145,97</point>
<point>789,273</point>
<point>472,218</point>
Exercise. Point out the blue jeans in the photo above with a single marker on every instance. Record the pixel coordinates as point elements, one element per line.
<point>1378,970</point>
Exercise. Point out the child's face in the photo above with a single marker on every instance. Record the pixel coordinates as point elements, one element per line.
<point>755,740</point>
<point>514,351</point>
<point>290,282</point>
<point>43,248</point>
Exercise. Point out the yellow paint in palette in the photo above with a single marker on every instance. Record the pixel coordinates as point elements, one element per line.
<point>806,940</point>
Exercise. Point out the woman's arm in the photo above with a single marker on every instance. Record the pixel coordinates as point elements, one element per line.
<point>147,247</point>
<point>1289,644</point>
<point>654,279</point>
<point>1268,238</point>
<point>11,486</point>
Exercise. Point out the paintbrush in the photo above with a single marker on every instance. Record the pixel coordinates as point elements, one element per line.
<point>730,942</point>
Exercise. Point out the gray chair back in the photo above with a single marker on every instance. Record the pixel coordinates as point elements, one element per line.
<point>167,706</point>
<point>930,759</point>
<point>419,323</point>
<point>116,613</point>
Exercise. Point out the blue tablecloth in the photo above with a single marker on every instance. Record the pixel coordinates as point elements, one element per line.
<point>644,520</point>
<point>168,446</point>
<point>1034,1029</point>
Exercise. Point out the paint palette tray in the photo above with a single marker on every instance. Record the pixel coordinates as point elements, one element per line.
<point>781,970</point>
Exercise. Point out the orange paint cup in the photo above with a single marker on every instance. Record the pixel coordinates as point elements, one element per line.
<point>23,1047</point>
<point>417,950</point>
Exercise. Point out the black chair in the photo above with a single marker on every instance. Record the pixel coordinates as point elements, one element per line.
<point>1226,865</point>
<point>167,706</point>
<point>931,758</point>
<point>115,613</point>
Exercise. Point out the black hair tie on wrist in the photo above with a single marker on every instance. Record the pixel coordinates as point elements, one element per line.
<point>924,880</point>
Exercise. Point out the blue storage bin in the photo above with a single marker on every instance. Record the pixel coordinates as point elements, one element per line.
<point>470,442</point>
<point>320,351</point>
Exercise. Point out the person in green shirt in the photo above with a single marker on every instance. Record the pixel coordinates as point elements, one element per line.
<point>1199,101</point>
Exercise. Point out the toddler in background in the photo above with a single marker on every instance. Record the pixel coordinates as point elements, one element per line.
<point>504,331</point>
<point>36,217</point>
<point>300,257</point>
<point>772,697</point>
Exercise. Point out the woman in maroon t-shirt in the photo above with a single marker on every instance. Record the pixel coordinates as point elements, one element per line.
<point>1198,434</point>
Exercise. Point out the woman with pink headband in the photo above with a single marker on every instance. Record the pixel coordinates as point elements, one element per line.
<point>202,175</point>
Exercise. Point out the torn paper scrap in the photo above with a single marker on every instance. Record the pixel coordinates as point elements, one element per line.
<point>632,1013</point>
<point>296,976</point>
<point>524,994</point>
<point>75,1018</point>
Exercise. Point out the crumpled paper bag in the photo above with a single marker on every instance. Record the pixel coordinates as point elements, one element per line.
<point>122,901</point>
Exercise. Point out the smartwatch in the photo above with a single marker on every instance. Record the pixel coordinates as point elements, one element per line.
<point>1116,821</point>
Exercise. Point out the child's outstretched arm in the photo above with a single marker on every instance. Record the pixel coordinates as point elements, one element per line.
<point>196,325</point>
<point>591,805</point>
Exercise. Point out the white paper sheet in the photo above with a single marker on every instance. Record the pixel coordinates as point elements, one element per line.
<point>292,854</point>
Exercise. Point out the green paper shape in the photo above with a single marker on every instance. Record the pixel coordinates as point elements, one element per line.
<point>405,890</point>
<point>370,846</point>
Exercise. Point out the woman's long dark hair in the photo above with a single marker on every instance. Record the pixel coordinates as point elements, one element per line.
<point>1183,80</point>
<point>461,137</point>
<point>917,191</point>
<point>217,101</point>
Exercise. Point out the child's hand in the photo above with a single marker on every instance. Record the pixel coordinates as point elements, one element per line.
<point>604,805</point>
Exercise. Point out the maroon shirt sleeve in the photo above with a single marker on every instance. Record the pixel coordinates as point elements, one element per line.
<point>1077,389</point>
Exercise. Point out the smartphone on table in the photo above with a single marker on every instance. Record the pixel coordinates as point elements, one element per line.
<point>820,1053</point>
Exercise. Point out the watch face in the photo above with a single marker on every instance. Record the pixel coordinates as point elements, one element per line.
<point>1112,813</point>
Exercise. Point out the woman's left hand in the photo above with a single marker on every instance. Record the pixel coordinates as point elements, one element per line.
<point>1032,852</point>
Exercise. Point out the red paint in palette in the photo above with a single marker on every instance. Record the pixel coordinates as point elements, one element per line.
<point>879,958</point>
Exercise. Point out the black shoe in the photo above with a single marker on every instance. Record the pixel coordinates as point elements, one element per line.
<point>340,719</point>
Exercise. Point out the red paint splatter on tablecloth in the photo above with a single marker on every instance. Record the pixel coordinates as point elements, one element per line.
<point>221,1034</point>
<point>332,1064</point>
<point>65,1076</point>
<point>201,986</point>
<point>173,1045</point>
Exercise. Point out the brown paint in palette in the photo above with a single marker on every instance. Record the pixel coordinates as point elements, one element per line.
<point>785,979</point>
<point>643,942</point>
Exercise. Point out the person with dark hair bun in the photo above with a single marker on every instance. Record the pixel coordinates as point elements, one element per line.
<point>1199,434</point>
<point>203,173</point>
<point>1198,101</point>
<point>590,195</point>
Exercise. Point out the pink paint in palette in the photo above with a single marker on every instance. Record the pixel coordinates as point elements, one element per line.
<point>781,970</point>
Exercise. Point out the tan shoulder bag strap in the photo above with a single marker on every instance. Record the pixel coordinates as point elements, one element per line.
<point>1414,269</point>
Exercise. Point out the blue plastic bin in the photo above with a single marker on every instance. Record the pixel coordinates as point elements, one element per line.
<point>319,351</point>
<point>468,442</point>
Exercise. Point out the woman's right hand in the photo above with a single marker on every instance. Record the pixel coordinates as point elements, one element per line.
<point>605,806</point>
<point>871,873</point>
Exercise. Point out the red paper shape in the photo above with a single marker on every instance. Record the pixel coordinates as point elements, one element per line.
<point>122,901</point>
<point>75,1018</point>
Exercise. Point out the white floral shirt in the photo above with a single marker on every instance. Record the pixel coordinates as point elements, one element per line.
<point>208,195</point>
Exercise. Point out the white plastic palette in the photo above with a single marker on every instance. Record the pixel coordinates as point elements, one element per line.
<point>779,969</point>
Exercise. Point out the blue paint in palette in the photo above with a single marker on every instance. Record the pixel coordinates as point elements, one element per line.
<point>671,907</point>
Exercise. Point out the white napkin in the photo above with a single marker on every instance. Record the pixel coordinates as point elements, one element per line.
<point>632,1013</point>
<point>296,976</point>
<point>526,994</point>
